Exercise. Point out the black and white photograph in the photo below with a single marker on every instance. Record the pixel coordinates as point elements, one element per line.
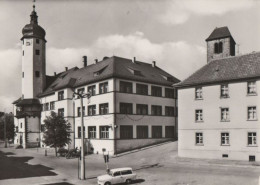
<point>142,92</point>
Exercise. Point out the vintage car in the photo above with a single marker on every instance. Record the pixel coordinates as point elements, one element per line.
<point>116,176</point>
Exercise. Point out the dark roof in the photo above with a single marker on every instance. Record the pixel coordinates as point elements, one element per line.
<point>228,69</point>
<point>108,68</point>
<point>219,33</point>
<point>28,102</point>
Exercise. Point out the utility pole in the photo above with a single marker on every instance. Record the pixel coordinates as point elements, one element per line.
<point>82,95</point>
<point>5,130</point>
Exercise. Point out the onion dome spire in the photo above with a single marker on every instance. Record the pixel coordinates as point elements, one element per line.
<point>34,17</point>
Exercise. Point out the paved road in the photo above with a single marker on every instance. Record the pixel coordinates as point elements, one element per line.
<point>154,166</point>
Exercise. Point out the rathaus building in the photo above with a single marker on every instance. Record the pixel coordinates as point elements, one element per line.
<point>133,104</point>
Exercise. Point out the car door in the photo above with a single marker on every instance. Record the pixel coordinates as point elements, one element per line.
<point>117,178</point>
<point>126,174</point>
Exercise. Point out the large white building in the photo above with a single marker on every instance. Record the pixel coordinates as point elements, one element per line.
<point>219,104</point>
<point>132,104</point>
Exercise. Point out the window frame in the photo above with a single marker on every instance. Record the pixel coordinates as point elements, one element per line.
<point>155,109</point>
<point>199,139</point>
<point>125,133</point>
<point>142,107</point>
<point>224,91</point>
<point>125,87</point>
<point>254,111</point>
<point>37,52</point>
<point>92,109</point>
<point>156,91</point>
<point>92,134</point>
<point>199,114</point>
<point>60,95</point>
<point>169,111</point>
<point>103,108</point>
<point>198,93</point>
<point>141,89</point>
<point>169,93</point>
<point>124,108</point>
<point>226,139</point>
<point>143,131</point>
<point>61,112</point>
<point>92,90</point>
<point>104,132</point>
<point>103,87</point>
<point>253,139</point>
<point>254,87</point>
<point>227,114</point>
<point>155,132</point>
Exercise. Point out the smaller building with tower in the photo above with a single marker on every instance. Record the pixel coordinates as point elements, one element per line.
<point>219,104</point>
<point>132,103</point>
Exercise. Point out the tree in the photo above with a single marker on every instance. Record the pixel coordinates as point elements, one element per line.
<point>9,119</point>
<point>56,131</point>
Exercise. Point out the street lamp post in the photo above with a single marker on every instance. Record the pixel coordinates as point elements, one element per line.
<point>5,130</point>
<point>82,165</point>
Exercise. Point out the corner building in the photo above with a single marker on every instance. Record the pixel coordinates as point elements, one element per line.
<point>132,103</point>
<point>219,104</point>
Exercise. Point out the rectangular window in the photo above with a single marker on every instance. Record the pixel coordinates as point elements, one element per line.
<point>251,112</point>
<point>81,91</point>
<point>126,108</point>
<point>37,52</point>
<point>103,108</point>
<point>251,88</point>
<point>169,131</point>
<point>224,114</point>
<point>225,155</point>
<point>156,91</point>
<point>52,105</point>
<point>199,138</point>
<point>46,106</point>
<point>61,95</point>
<point>224,138</point>
<point>126,87</point>
<point>61,112</point>
<point>79,111</point>
<point>104,132</point>
<point>103,88</point>
<point>23,52</point>
<point>142,89</point>
<point>126,132</point>
<point>198,93</point>
<point>156,110</point>
<point>142,132</point>
<point>37,74</point>
<point>79,131</point>
<point>92,132</point>
<point>169,111</point>
<point>91,110</point>
<point>224,92</point>
<point>37,41</point>
<point>198,115</point>
<point>141,109</point>
<point>252,139</point>
<point>21,125</point>
<point>157,131</point>
<point>23,74</point>
<point>169,93</point>
<point>251,158</point>
<point>92,90</point>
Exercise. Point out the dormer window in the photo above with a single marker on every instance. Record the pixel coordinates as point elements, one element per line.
<point>97,73</point>
<point>218,47</point>
<point>37,41</point>
<point>135,72</point>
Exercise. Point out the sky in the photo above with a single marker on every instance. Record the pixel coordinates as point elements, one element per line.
<point>170,32</point>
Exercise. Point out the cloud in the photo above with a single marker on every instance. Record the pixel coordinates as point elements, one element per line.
<point>178,12</point>
<point>178,58</point>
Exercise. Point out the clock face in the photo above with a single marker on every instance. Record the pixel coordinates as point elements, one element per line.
<point>28,43</point>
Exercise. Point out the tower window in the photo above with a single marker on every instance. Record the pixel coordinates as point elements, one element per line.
<point>37,41</point>
<point>37,73</point>
<point>218,47</point>
<point>37,52</point>
<point>23,53</point>
<point>23,74</point>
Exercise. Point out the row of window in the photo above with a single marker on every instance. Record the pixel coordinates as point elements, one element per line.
<point>224,90</point>
<point>29,43</point>
<point>225,138</point>
<point>126,132</point>
<point>225,115</point>
<point>48,106</point>
<point>37,52</point>
<point>127,87</point>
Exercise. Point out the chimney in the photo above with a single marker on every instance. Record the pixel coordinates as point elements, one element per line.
<point>66,68</point>
<point>96,61</point>
<point>85,61</point>
<point>55,73</point>
<point>134,60</point>
<point>154,64</point>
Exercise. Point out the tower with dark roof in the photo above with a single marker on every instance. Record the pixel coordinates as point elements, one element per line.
<point>220,44</point>
<point>33,58</point>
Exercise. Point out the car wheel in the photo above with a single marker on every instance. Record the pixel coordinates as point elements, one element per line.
<point>107,183</point>
<point>128,181</point>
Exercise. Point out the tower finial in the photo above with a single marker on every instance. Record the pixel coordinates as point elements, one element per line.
<point>34,15</point>
<point>33,5</point>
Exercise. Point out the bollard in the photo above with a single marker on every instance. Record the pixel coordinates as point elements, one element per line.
<point>45,152</point>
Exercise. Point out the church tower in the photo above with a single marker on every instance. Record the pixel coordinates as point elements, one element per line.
<point>220,44</point>
<point>33,58</point>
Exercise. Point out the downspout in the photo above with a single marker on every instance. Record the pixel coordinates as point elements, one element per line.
<point>114,117</point>
<point>176,118</point>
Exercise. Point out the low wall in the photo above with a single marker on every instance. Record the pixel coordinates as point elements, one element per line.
<point>124,145</point>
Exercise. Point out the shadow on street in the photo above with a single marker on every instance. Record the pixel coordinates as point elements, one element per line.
<point>17,167</point>
<point>60,183</point>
